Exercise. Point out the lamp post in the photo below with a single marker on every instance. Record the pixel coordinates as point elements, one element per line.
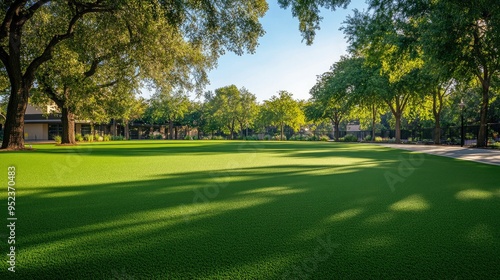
<point>462,137</point>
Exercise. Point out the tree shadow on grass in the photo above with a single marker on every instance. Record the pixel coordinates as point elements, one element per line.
<point>314,221</point>
<point>173,148</point>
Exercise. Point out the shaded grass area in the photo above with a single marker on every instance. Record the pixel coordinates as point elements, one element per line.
<point>251,210</point>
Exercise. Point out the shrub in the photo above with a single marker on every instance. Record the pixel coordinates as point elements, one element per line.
<point>218,138</point>
<point>78,137</point>
<point>195,137</point>
<point>324,138</point>
<point>278,138</point>
<point>88,137</point>
<point>106,137</point>
<point>187,137</point>
<point>267,137</point>
<point>251,137</point>
<point>368,138</point>
<point>350,138</point>
<point>117,137</point>
<point>99,138</point>
<point>58,139</point>
<point>378,139</point>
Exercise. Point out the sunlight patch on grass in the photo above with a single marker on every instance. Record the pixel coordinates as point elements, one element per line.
<point>62,194</point>
<point>376,242</point>
<point>344,215</point>
<point>472,194</point>
<point>412,203</point>
<point>274,191</point>
<point>380,218</point>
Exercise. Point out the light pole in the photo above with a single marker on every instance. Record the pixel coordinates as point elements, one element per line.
<point>462,137</point>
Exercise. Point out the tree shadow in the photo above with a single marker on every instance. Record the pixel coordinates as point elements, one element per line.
<point>314,221</point>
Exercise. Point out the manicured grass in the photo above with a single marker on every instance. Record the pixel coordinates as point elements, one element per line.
<point>250,210</point>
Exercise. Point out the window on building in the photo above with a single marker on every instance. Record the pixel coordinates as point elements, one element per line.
<point>86,129</point>
<point>54,130</point>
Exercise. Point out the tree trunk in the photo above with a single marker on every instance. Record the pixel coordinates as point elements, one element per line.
<point>68,127</point>
<point>13,135</point>
<point>175,129</point>
<point>170,129</point>
<point>127,130</point>
<point>281,137</point>
<point>437,130</point>
<point>336,125</point>
<point>374,116</point>
<point>113,127</point>
<point>398,127</point>
<point>482,137</point>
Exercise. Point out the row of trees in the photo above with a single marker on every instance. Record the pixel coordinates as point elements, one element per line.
<point>408,54</point>
<point>227,110</point>
<point>85,54</point>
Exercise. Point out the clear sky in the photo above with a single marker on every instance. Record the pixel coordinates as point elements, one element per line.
<point>282,61</point>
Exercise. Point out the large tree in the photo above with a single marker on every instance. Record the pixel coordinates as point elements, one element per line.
<point>227,107</point>
<point>249,110</point>
<point>283,110</point>
<point>461,36</point>
<point>328,102</point>
<point>27,42</point>
<point>384,44</point>
<point>169,107</point>
<point>21,58</point>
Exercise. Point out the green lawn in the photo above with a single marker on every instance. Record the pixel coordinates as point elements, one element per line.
<point>250,210</point>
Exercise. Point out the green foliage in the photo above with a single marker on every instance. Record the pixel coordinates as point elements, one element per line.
<point>368,138</point>
<point>251,137</point>
<point>78,137</point>
<point>88,137</point>
<point>282,110</point>
<point>106,137</point>
<point>324,138</point>
<point>349,138</point>
<point>117,138</point>
<point>308,13</point>
<point>58,139</point>
<point>187,137</point>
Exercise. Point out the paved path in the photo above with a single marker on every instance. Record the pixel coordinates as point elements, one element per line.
<point>487,156</point>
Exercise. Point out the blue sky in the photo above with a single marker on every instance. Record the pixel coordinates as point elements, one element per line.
<point>282,61</point>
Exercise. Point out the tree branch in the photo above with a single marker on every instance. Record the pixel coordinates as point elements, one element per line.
<point>50,91</point>
<point>110,84</point>
<point>47,53</point>
<point>4,57</point>
<point>31,11</point>
<point>9,17</point>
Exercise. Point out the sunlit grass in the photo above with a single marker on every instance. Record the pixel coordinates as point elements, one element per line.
<point>250,210</point>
